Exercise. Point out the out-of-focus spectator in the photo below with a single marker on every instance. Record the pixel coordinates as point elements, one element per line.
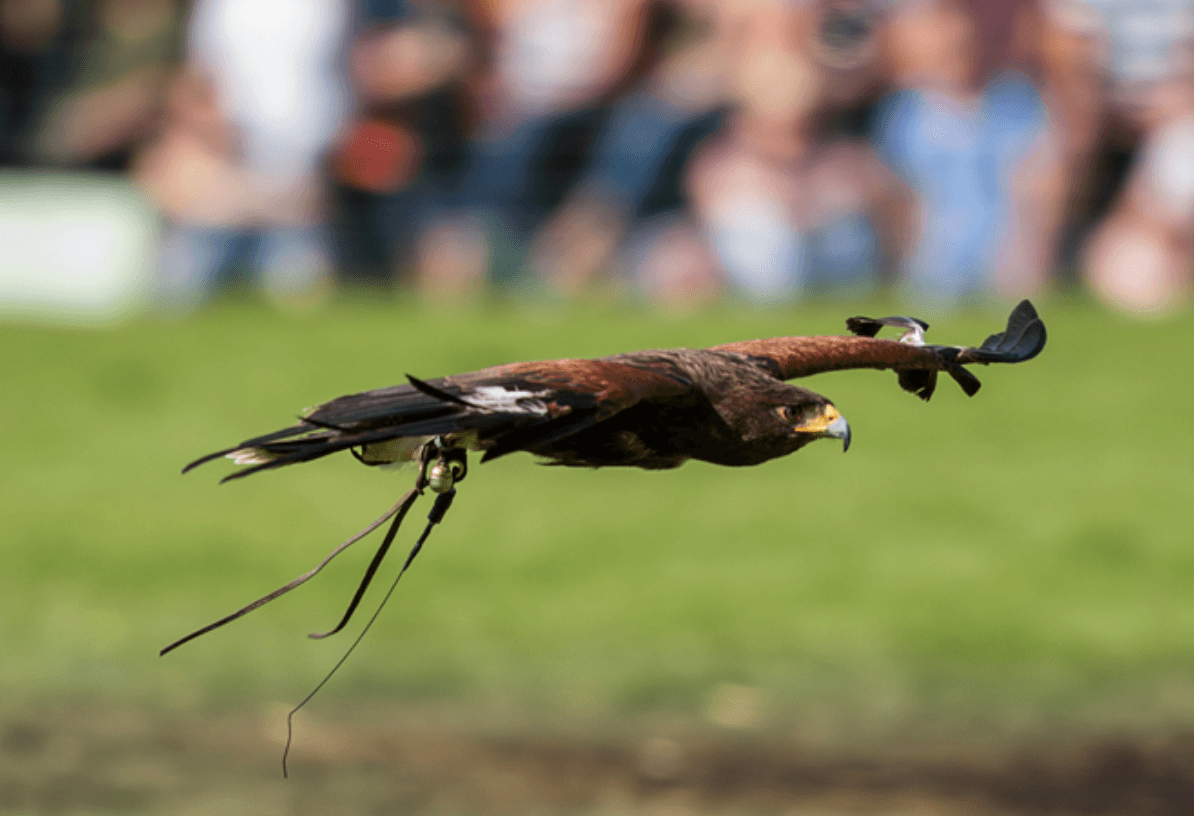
<point>28,29</point>
<point>400,156</point>
<point>773,179</point>
<point>102,91</point>
<point>1141,258</point>
<point>553,66</point>
<point>237,170</point>
<point>971,137</point>
<point>635,170</point>
<point>1124,91</point>
<point>785,207</point>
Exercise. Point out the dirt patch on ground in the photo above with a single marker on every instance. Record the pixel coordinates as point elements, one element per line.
<point>90,760</point>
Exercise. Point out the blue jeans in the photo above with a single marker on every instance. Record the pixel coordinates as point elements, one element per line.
<point>960,162</point>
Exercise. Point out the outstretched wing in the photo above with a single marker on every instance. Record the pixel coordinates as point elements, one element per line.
<point>499,410</point>
<point>916,362</point>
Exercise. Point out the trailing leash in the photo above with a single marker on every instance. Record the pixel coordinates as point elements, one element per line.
<point>442,502</point>
<point>441,467</point>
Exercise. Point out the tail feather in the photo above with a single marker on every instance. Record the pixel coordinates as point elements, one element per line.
<point>413,410</point>
<point>346,422</point>
<point>316,446</point>
<point>255,442</point>
<point>383,406</point>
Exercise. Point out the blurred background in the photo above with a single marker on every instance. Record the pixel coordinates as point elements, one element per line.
<point>675,152</point>
<point>215,212</point>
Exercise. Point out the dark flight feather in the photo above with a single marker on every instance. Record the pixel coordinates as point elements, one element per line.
<point>436,393</point>
<point>1023,339</point>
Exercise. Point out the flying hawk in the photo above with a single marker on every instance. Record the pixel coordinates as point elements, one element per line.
<point>729,404</point>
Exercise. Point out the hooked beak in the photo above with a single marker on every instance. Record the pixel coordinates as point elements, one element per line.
<point>829,422</point>
<point>840,429</point>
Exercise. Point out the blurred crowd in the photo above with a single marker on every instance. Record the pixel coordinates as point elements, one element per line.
<point>674,151</point>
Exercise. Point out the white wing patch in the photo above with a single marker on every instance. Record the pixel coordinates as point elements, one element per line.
<point>498,398</point>
<point>915,336</point>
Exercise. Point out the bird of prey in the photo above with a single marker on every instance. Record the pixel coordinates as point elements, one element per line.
<point>729,404</point>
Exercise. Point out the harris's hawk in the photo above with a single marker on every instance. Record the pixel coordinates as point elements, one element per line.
<point>729,404</point>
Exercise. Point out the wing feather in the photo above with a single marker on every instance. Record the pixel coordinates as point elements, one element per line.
<point>916,363</point>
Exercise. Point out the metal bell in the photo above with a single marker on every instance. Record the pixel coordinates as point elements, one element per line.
<point>441,477</point>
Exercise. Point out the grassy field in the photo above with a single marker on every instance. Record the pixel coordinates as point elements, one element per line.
<point>1016,564</point>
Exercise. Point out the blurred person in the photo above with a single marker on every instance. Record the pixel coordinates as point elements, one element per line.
<point>237,170</point>
<point>1140,259</point>
<point>635,170</point>
<point>1122,91</point>
<point>401,153</point>
<point>636,180</point>
<point>969,134</point>
<point>667,262</point>
<point>101,91</point>
<point>784,208</point>
<point>552,66</point>
<point>1075,93</point>
<point>844,39</point>
<point>28,33</point>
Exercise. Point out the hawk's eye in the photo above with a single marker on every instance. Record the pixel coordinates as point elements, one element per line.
<point>798,414</point>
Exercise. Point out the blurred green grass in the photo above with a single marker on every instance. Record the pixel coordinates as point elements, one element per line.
<point>1014,563</point>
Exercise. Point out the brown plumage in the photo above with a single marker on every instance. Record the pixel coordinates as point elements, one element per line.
<point>728,405</point>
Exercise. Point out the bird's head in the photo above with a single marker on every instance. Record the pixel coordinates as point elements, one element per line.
<point>816,420</point>
<point>785,418</point>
